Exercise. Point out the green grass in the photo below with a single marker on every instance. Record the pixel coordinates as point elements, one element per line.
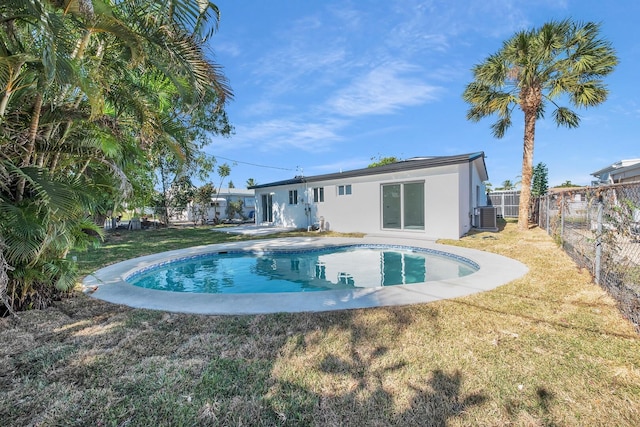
<point>549,349</point>
<point>121,245</point>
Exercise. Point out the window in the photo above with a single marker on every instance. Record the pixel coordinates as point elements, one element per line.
<point>413,204</point>
<point>344,190</point>
<point>293,197</point>
<point>403,206</point>
<point>318,194</point>
<point>249,202</point>
<point>267,207</point>
<point>391,206</point>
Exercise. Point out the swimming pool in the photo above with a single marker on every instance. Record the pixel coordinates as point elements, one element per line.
<point>110,283</point>
<point>311,270</point>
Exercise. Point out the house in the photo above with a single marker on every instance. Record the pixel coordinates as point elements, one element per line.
<point>233,195</point>
<point>219,204</point>
<point>619,172</point>
<point>422,197</point>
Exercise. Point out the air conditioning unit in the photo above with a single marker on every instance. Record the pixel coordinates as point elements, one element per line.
<point>485,218</point>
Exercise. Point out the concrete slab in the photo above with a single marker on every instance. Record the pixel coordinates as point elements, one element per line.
<point>108,284</point>
<point>252,229</point>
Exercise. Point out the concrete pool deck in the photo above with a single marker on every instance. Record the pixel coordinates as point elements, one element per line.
<point>108,283</point>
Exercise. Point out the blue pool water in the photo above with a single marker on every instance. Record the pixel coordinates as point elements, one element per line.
<point>302,271</point>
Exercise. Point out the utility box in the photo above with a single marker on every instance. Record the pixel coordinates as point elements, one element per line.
<point>485,218</point>
<point>134,224</point>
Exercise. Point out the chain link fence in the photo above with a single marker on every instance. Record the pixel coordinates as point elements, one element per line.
<point>599,227</point>
<point>161,216</point>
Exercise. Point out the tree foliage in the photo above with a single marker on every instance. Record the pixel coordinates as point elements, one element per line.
<point>92,94</point>
<point>235,208</point>
<point>201,201</point>
<point>540,180</point>
<point>381,161</point>
<point>562,61</point>
<point>507,184</point>
<point>224,170</point>
<point>567,184</point>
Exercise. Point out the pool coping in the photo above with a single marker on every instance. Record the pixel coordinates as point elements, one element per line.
<point>108,283</point>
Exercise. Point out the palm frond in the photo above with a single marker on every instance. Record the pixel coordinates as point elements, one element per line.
<point>565,117</point>
<point>589,93</point>
<point>23,232</point>
<point>500,127</point>
<point>105,23</point>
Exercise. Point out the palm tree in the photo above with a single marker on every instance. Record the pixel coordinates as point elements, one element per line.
<point>87,97</point>
<point>535,68</point>
<point>224,170</point>
<point>507,185</point>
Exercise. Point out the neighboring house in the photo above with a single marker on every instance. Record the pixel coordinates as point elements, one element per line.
<point>425,197</point>
<point>233,195</point>
<point>220,203</point>
<point>619,172</point>
<point>624,171</point>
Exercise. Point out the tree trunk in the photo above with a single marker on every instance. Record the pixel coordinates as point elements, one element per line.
<point>527,169</point>
<point>33,129</point>
<point>4,102</point>
<point>31,143</point>
<point>14,72</point>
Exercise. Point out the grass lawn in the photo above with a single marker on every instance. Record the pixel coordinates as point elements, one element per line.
<point>549,349</point>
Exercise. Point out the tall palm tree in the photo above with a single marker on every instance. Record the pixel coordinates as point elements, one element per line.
<point>560,61</point>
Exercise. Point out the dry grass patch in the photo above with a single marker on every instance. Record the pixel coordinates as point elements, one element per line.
<point>547,349</point>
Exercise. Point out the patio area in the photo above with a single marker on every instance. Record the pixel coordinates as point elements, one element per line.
<point>253,229</point>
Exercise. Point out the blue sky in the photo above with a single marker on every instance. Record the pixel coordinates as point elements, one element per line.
<point>324,86</point>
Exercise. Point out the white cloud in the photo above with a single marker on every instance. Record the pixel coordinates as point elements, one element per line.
<point>383,90</point>
<point>283,134</point>
<point>227,48</point>
<point>341,165</point>
<point>262,108</point>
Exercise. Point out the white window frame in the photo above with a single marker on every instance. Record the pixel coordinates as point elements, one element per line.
<point>345,190</point>
<point>318,194</point>
<point>402,214</point>
<point>293,197</point>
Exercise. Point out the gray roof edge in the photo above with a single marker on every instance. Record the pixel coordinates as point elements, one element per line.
<point>409,164</point>
<point>617,166</point>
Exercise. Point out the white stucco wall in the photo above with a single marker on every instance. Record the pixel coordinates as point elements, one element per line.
<point>451,193</point>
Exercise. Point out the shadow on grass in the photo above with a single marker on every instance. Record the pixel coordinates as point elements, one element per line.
<point>368,397</point>
<point>100,364</point>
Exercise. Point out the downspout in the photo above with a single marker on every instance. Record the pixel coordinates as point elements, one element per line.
<point>307,204</point>
<point>471,192</point>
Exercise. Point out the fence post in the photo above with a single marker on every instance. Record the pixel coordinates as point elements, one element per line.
<point>598,260</point>
<point>547,212</point>
<point>540,211</point>
<point>562,221</point>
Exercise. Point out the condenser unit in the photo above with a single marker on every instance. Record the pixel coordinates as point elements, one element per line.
<point>485,218</point>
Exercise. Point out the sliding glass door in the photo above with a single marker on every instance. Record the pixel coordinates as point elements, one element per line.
<point>267,208</point>
<point>413,205</point>
<point>391,209</point>
<point>403,206</point>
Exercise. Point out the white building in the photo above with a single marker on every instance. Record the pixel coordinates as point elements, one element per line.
<point>622,171</point>
<point>219,203</point>
<point>425,197</point>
